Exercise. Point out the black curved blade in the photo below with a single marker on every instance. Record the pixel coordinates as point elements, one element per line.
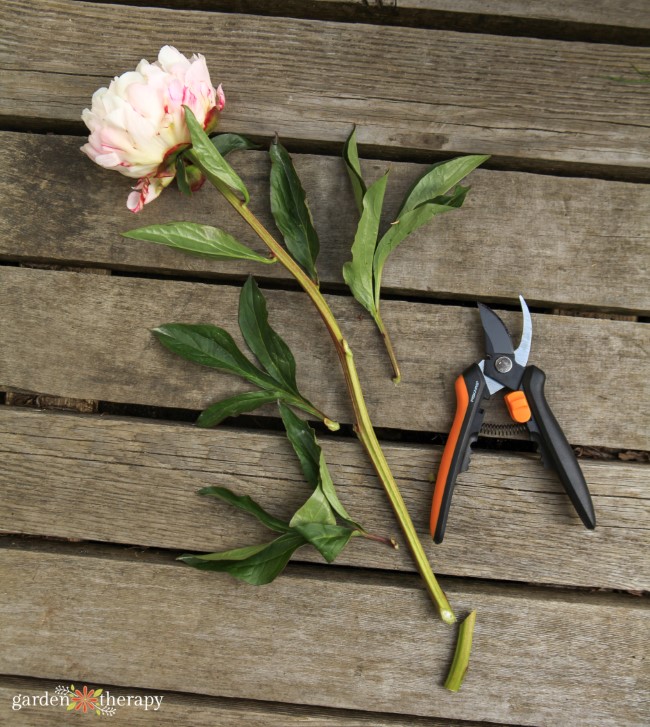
<point>497,338</point>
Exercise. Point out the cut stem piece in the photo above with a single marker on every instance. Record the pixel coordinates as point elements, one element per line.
<point>461,656</point>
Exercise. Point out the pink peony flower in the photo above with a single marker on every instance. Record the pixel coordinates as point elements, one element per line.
<point>138,122</point>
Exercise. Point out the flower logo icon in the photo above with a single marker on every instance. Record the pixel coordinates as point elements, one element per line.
<point>85,701</point>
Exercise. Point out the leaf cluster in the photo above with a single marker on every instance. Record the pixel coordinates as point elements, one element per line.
<point>322,520</point>
<point>316,522</point>
<point>209,345</point>
<point>205,158</point>
<point>437,191</point>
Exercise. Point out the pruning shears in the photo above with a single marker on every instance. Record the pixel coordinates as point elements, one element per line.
<point>504,367</point>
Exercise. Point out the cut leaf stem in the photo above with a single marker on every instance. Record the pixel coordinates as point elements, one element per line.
<point>363,427</point>
<point>332,425</point>
<point>390,542</point>
<point>397,374</point>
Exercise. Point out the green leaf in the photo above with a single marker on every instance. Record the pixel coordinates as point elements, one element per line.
<point>312,459</point>
<point>290,210</point>
<point>225,143</point>
<point>205,154</point>
<point>427,198</point>
<point>200,240</point>
<point>408,223</point>
<point>351,157</point>
<point>269,348</point>
<point>181,177</point>
<point>257,564</point>
<point>439,180</point>
<point>303,441</point>
<point>330,491</point>
<point>358,273</point>
<point>329,540</point>
<point>211,346</point>
<point>225,555</point>
<point>236,405</point>
<point>316,510</point>
<point>247,504</point>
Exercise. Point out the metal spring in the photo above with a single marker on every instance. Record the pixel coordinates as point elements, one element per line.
<point>503,430</point>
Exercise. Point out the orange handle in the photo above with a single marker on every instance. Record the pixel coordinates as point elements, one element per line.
<point>471,389</point>
<point>462,400</point>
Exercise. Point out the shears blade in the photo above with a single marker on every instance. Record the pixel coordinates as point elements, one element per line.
<point>523,349</point>
<point>497,338</point>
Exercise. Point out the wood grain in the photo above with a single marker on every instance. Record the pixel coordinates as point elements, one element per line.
<point>88,337</point>
<point>201,711</point>
<point>354,643</point>
<point>510,519</point>
<point>572,242</point>
<point>551,103</point>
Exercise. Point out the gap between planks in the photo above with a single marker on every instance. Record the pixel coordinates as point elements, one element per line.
<point>388,155</point>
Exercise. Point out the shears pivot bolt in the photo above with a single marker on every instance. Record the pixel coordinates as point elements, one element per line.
<point>503,364</point>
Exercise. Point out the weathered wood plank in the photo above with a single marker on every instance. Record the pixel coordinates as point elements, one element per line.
<point>551,238</point>
<point>510,519</point>
<point>356,643</point>
<point>631,14</point>
<point>86,406</point>
<point>87,337</point>
<point>585,20</point>
<point>550,102</point>
<point>200,711</point>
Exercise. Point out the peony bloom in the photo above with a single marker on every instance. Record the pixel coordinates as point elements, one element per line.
<point>138,122</point>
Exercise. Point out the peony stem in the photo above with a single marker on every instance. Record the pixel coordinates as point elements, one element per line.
<point>363,426</point>
<point>460,662</point>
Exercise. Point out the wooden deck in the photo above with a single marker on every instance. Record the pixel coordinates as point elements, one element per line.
<point>99,461</point>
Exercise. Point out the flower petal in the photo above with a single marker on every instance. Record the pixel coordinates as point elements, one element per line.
<point>147,189</point>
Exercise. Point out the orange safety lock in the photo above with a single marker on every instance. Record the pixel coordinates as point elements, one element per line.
<point>518,406</point>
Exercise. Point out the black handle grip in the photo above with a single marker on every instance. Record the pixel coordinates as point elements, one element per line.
<point>556,451</point>
<point>470,389</point>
